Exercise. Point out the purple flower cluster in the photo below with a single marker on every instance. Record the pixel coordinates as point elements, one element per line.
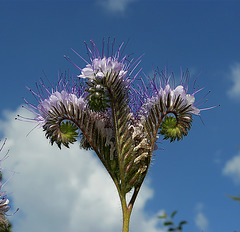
<point>94,94</point>
<point>115,115</point>
<point>101,67</point>
<point>161,88</point>
<point>54,99</point>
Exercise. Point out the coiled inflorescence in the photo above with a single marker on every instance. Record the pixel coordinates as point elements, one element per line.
<point>169,109</point>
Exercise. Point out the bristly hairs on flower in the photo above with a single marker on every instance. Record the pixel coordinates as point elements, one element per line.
<point>170,102</point>
<point>4,201</point>
<point>66,84</point>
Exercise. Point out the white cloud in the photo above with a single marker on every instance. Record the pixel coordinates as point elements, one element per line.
<point>232,169</point>
<point>235,77</point>
<point>63,190</point>
<point>115,5</point>
<point>201,220</point>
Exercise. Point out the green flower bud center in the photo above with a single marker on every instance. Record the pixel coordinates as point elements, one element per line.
<point>174,129</point>
<point>67,133</point>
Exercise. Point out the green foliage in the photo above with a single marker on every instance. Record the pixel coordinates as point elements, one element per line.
<point>235,198</point>
<point>168,222</point>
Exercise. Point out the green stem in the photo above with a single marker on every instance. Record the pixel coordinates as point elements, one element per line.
<point>126,215</point>
<point>127,209</point>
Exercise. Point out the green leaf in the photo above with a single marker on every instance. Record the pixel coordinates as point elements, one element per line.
<point>171,229</point>
<point>182,223</point>
<point>167,223</point>
<point>163,216</point>
<point>173,214</point>
<point>235,198</point>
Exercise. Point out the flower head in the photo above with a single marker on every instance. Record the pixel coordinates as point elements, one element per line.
<point>68,89</point>
<point>101,67</point>
<point>47,105</point>
<point>174,103</point>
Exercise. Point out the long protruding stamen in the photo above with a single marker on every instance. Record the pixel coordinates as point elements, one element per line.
<point>70,61</point>
<point>4,142</point>
<point>197,91</point>
<point>88,51</point>
<point>201,103</point>
<point>123,50</point>
<point>138,61</point>
<point>203,98</point>
<point>95,49</point>
<point>103,43</point>
<point>21,118</point>
<point>80,56</point>
<point>108,47</point>
<point>49,82</point>
<point>29,104</point>
<point>118,52</point>
<point>44,90</point>
<point>113,43</point>
<point>209,108</point>
<point>135,75</point>
<point>36,96</point>
<point>194,83</point>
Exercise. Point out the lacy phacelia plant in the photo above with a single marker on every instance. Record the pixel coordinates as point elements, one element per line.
<point>120,122</point>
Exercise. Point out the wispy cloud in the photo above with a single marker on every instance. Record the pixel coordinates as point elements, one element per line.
<point>235,78</point>
<point>201,220</point>
<point>115,6</point>
<point>232,169</point>
<point>64,190</point>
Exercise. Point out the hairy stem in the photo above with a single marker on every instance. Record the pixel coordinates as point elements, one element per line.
<point>126,214</point>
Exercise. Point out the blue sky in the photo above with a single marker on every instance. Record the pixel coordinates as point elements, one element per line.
<point>192,176</point>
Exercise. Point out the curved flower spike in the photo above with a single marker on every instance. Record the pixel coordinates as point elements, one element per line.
<point>168,108</point>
